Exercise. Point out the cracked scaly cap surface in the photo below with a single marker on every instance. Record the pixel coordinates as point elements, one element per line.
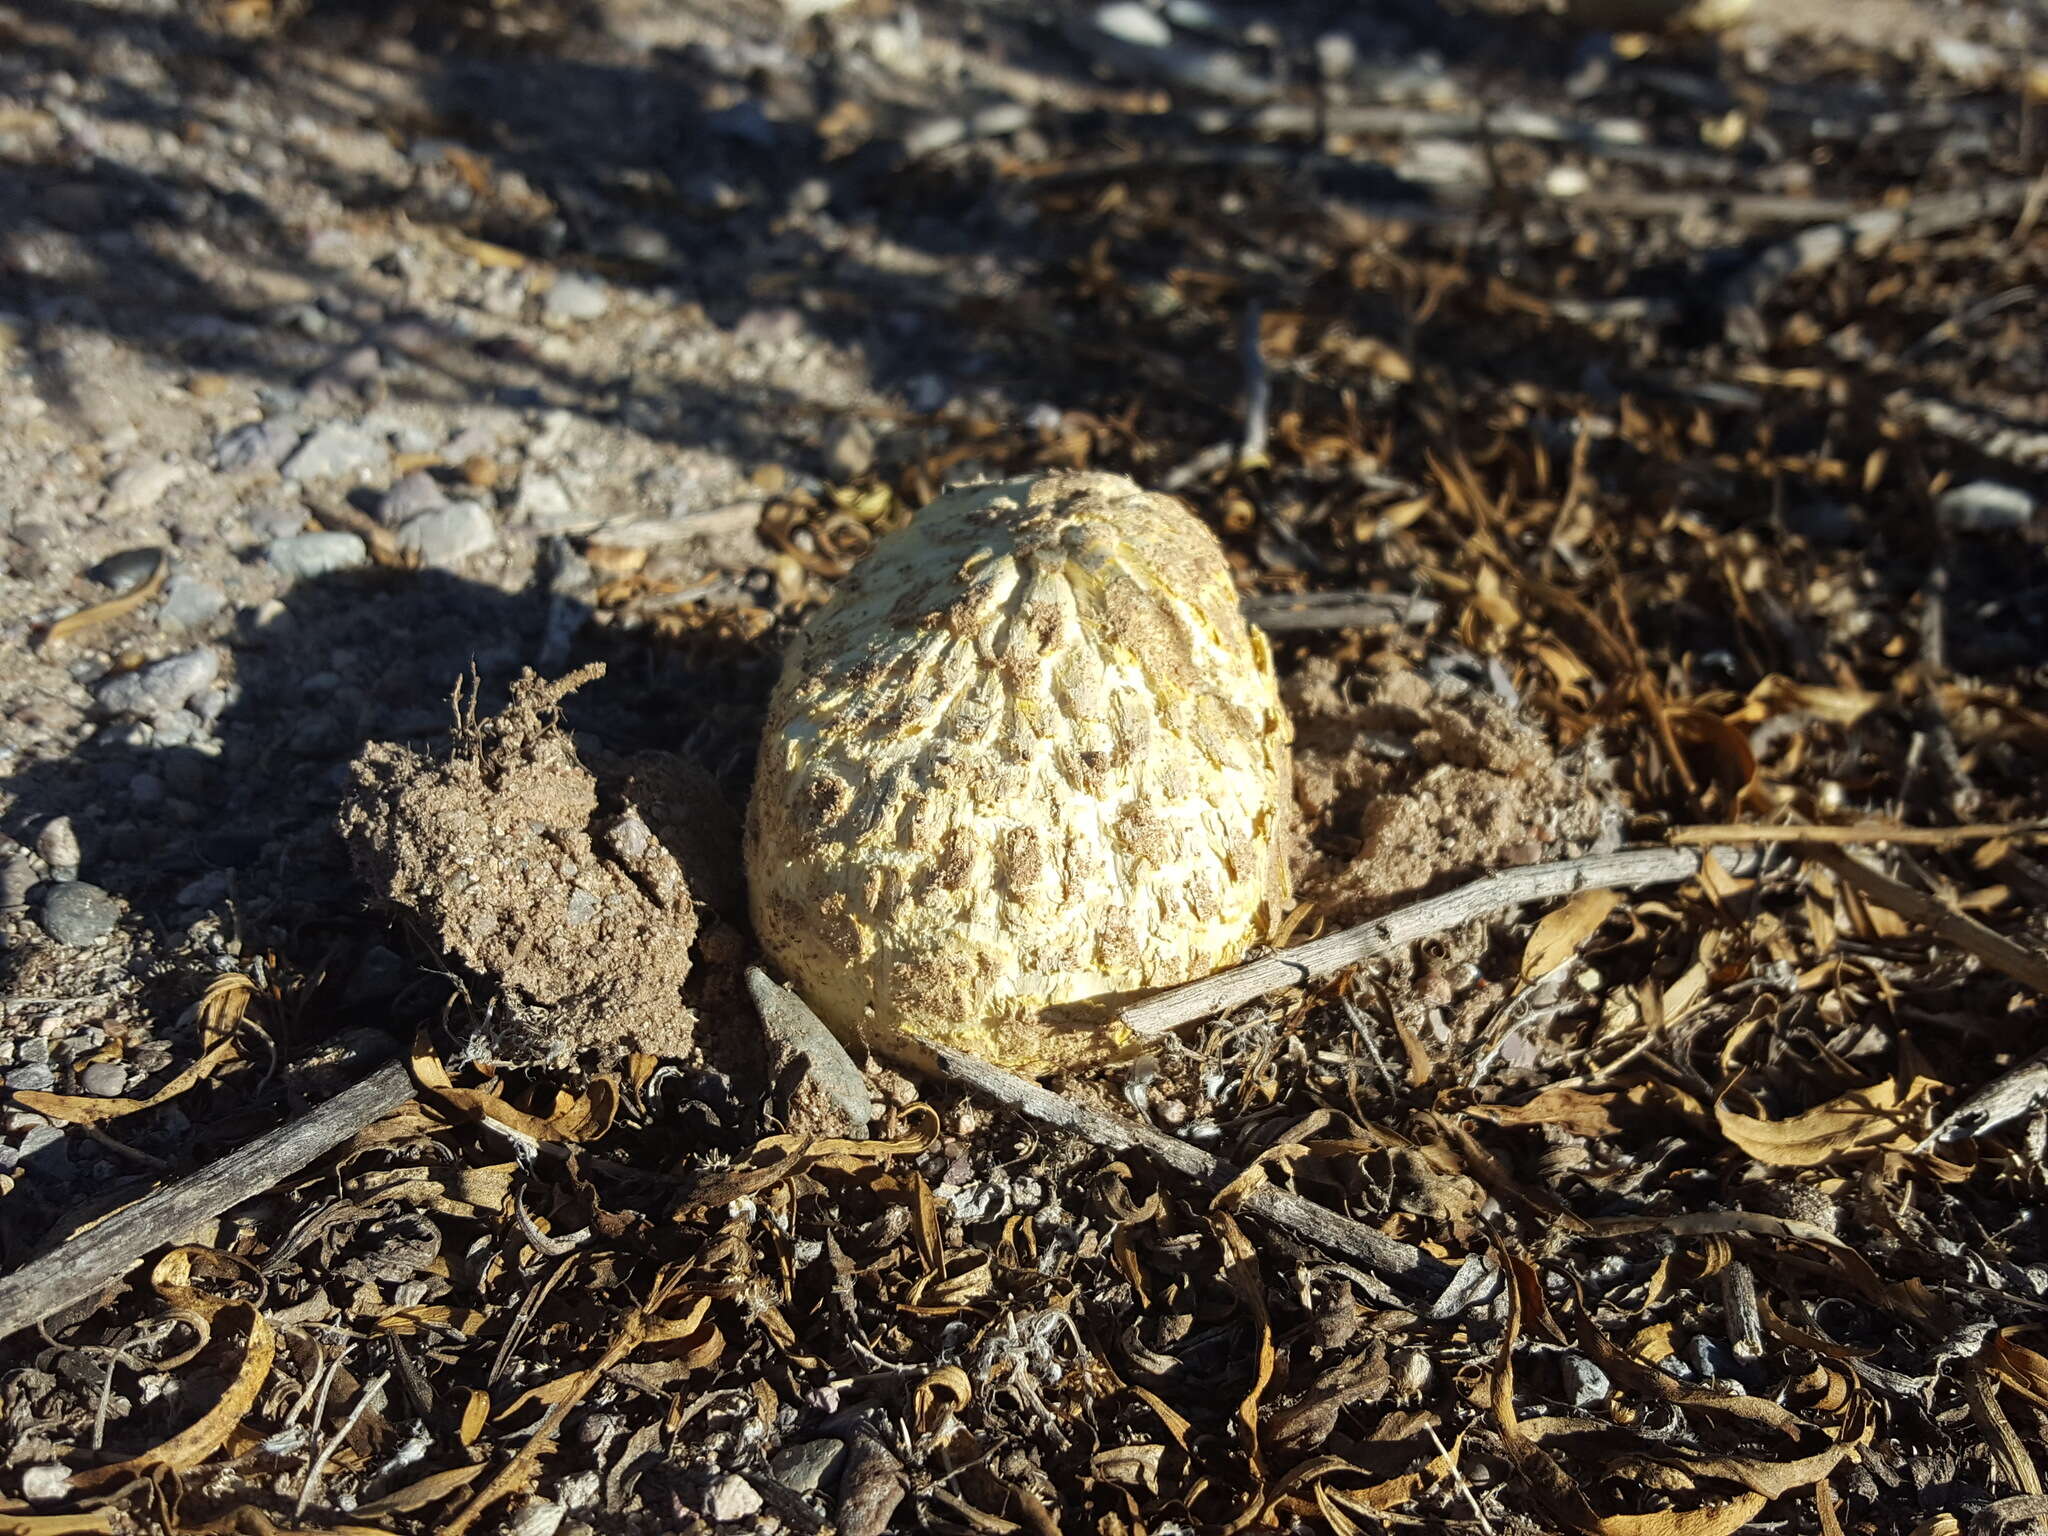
<point>1029,759</point>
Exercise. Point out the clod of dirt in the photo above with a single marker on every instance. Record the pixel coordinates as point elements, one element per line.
<point>581,915</point>
<point>1413,782</point>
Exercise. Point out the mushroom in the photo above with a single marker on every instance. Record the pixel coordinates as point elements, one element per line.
<point>1026,764</point>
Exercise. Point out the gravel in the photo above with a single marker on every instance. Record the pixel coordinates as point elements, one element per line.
<point>35,1078</point>
<point>104,1080</point>
<point>574,297</point>
<point>447,536</point>
<point>77,914</point>
<point>413,494</point>
<point>805,1466</point>
<point>730,1498</point>
<point>306,555</point>
<point>190,601</point>
<point>334,450</point>
<point>849,450</point>
<point>259,445</point>
<point>160,687</point>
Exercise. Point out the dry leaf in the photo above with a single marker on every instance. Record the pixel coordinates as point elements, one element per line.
<point>1882,1117</point>
<point>1558,936</point>
<point>112,608</point>
<point>1579,1112</point>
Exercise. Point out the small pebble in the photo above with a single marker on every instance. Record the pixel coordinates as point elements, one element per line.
<point>104,1079</point>
<point>575,297</point>
<point>78,914</point>
<point>128,570</point>
<point>334,449</point>
<point>806,1465</point>
<point>543,502</point>
<point>58,845</point>
<point>160,687</point>
<point>448,535</point>
<point>17,879</point>
<point>140,486</point>
<point>46,1484</point>
<point>306,555</point>
<point>1985,506</point>
<point>849,450</point>
<point>731,1497</point>
<point>205,891</point>
<point>1584,1382</point>
<point>411,495</point>
<point>259,445</point>
<point>189,602</point>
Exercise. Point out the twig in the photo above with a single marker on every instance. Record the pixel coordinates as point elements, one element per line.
<point>91,1260</point>
<point>1258,390</point>
<point>1992,436</point>
<point>367,1391</point>
<point>1292,1213</point>
<point>1167,1011</point>
<point>1966,933</point>
<point>1742,835</point>
<point>1743,295</point>
<point>1286,612</point>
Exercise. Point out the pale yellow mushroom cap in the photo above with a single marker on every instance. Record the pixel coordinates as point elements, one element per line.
<point>1027,761</point>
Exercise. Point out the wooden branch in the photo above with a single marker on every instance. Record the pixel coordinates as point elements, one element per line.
<point>1741,834</point>
<point>103,1253</point>
<point>1166,1011</point>
<point>1286,612</point>
<point>1292,1213</point>
<point>1957,928</point>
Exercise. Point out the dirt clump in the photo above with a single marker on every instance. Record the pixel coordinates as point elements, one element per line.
<point>518,862</point>
<point>1413,779</point>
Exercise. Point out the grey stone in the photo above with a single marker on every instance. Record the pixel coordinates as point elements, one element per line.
<point>543,502</point>
<point>744,121</point>
<point>205,891</point>
<point>259,445</point>
<point>189,602</point>
<point>334,449</point>
<point>140,486</point>
<point>449,535</point>
<point>35,1049</point>
<point>34,1078</point>
<point>574,297</point>
<point>412,494</point>
<point>1985,506</point>
<point>279,520</point>
<point>731,1497</point>
<point>17,879</point>
<point>160,687</point>
<point>127,570</point>
<point>78,914</point>
<point>104,1080</point>
<point>146,790</point>
<point>1129,22</point>
<point>177,728</point>
<point>58,845</point>
<point>1584,1382</point>
<point>806,1465</point>
<point>849,450</point>
<point>795,1033</point>
<point>583,906</point>
<point>377,976</point>
<point>305,555</point>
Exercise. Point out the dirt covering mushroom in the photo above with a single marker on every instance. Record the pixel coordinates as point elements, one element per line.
<point>1028,761</point>
<point>572,893</point>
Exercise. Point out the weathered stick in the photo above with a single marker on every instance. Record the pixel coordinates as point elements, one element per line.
<point>101,1254</point>
<point>1285,612</point>
<point>1166,1011</point>
<point>1738,834</point>
<point>1290,1212</point>
<point>1957,928</point>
